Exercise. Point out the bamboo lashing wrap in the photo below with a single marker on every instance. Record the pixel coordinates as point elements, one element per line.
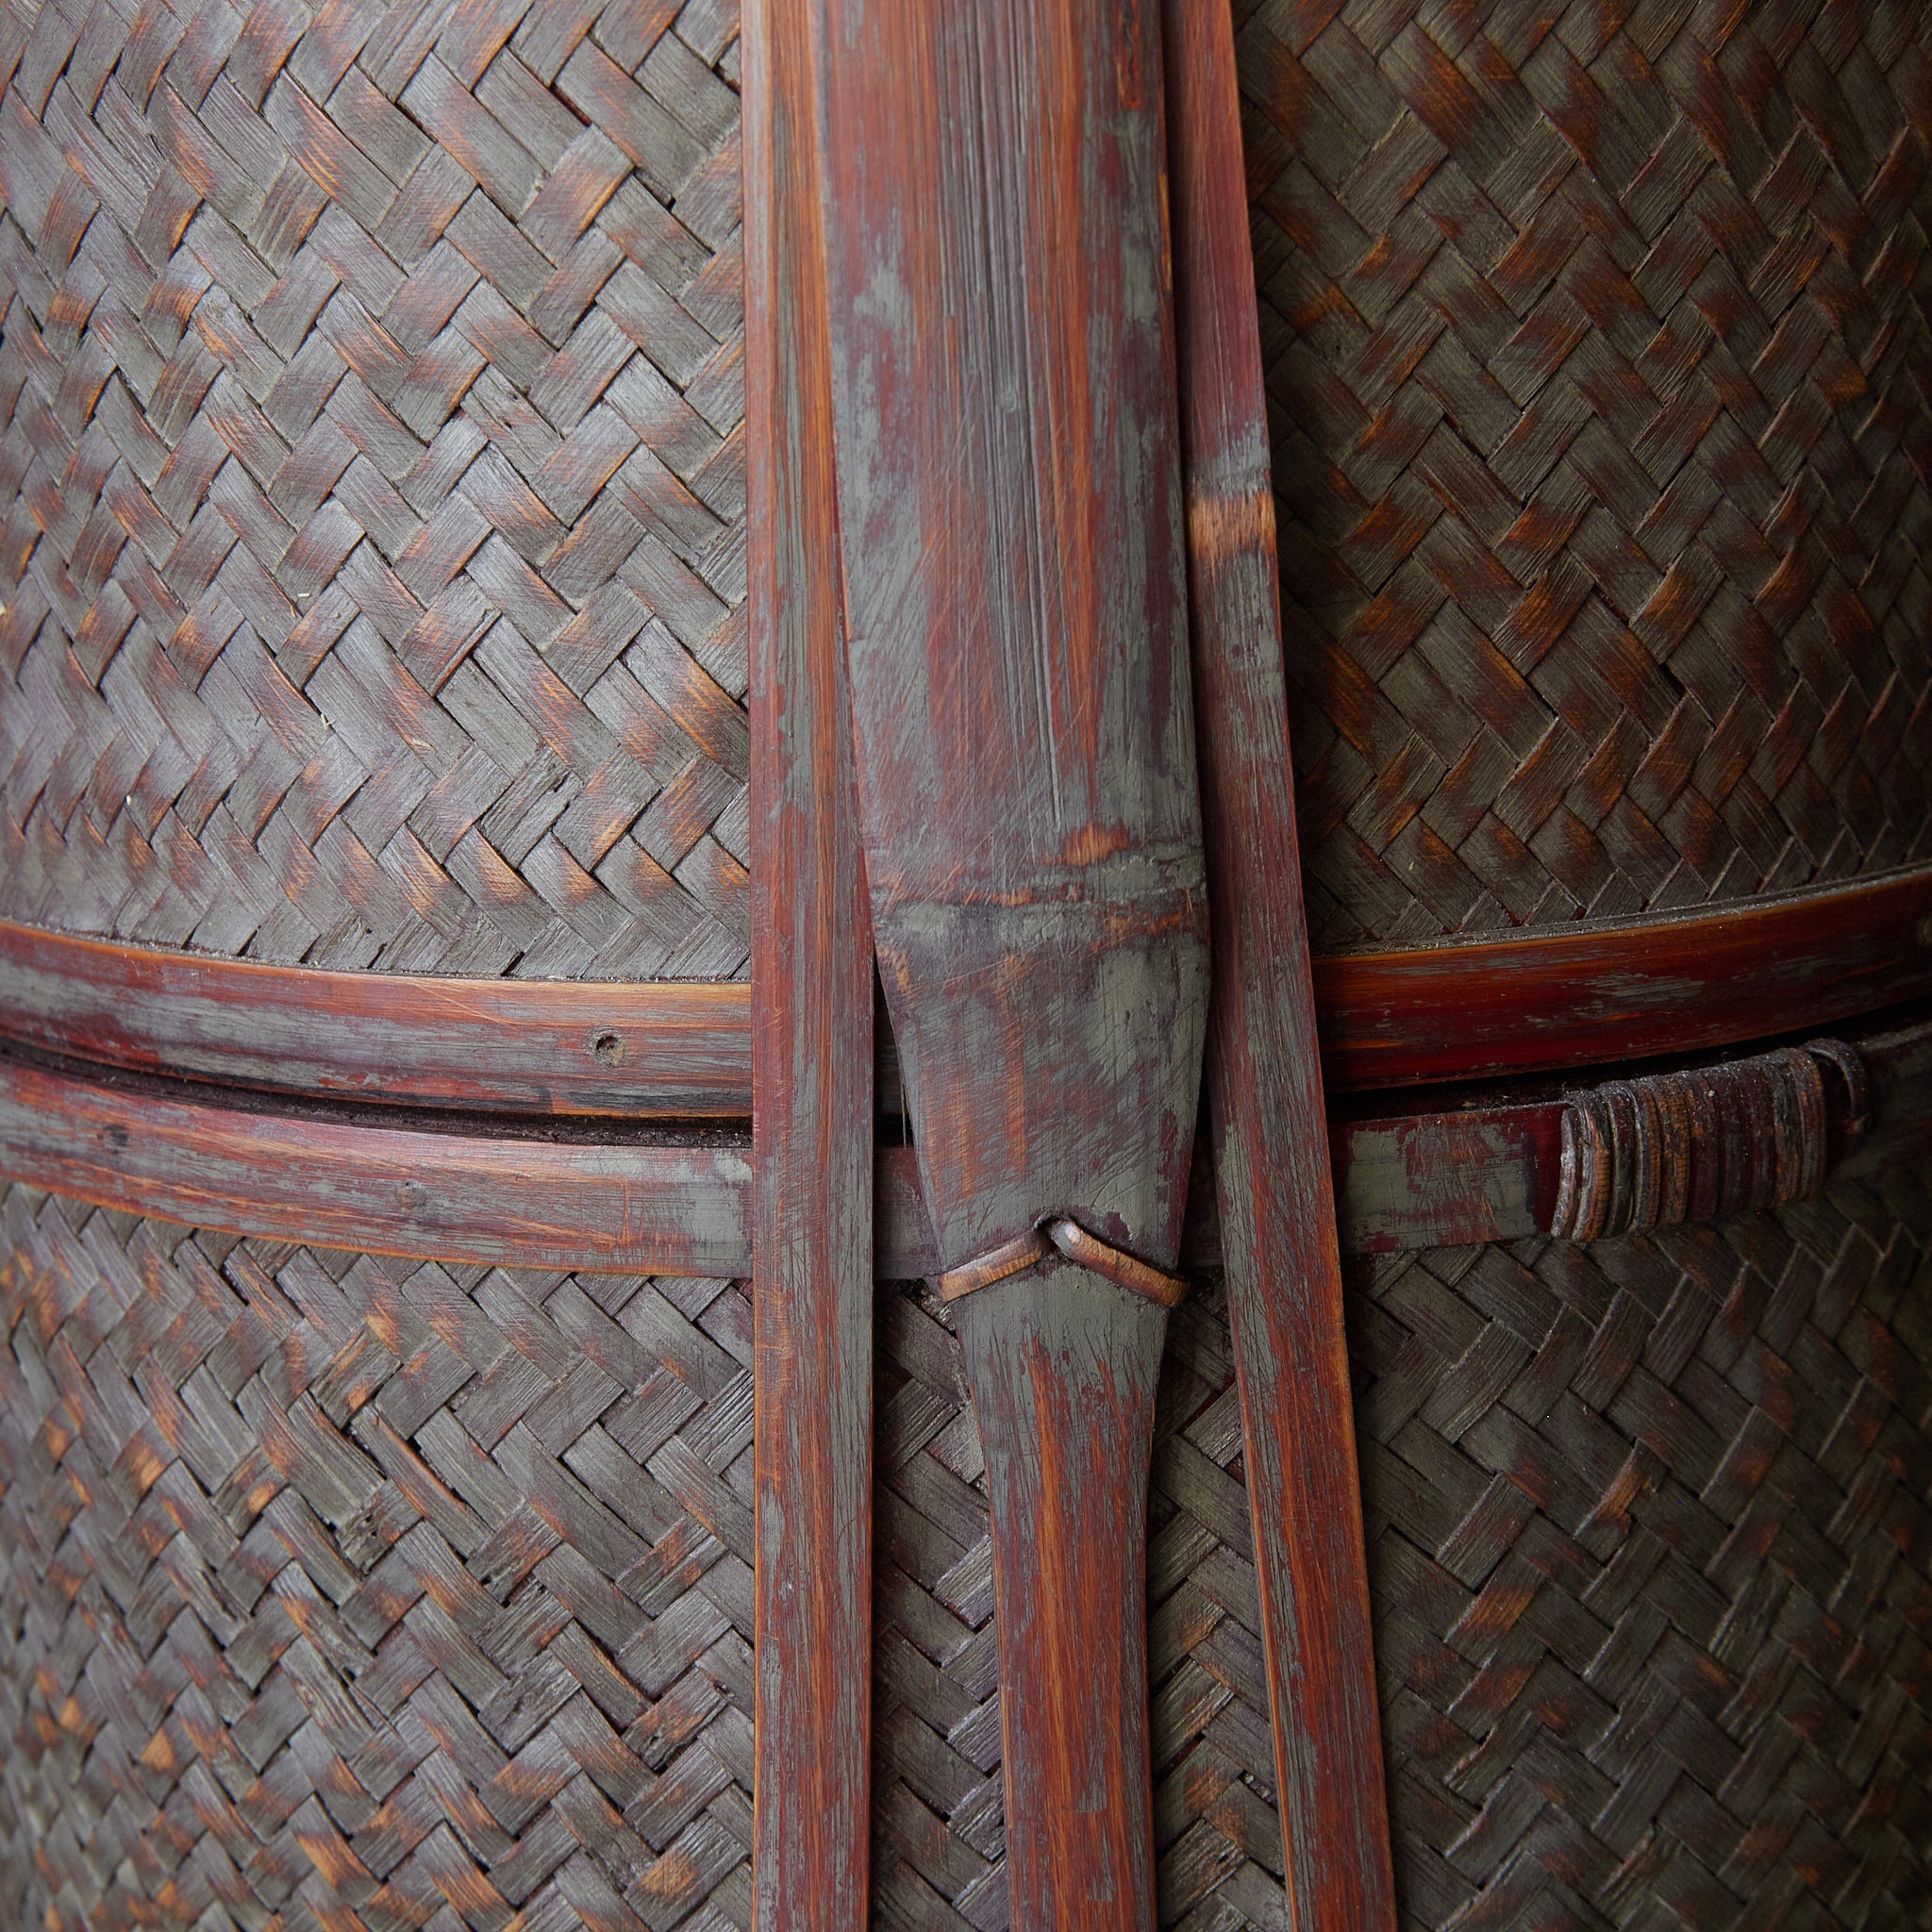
<point>1703,1144</point>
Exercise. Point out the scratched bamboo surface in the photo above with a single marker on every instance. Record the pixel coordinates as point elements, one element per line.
<point>1013,584</point>
<point>814,1222</point>
<point>371,464</point>
<point>1266,1107</point>
<point>1599,354</point>
<point>1532,1000</point>
<point>939,1843</point>
<point>1515,1795</point>
<point>406,1186</point>
<point>1001,337</point>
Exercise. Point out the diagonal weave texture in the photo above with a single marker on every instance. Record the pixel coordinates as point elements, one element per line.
<point>1651,1553</point>
<point>1600,386</point>
<point>350,1593</point>
<point>1651,1556</point>
<point>371,472</point>
<point>939,1844</point>
<point>365,1594</point>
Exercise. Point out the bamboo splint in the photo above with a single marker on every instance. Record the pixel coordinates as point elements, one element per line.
<point>1011,520</point>
<point>1008,442</point>
<point>811,1058</point>
<point>1270,1144</point>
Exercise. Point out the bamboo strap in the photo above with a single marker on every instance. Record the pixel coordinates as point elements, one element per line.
<point>1061,1234</point>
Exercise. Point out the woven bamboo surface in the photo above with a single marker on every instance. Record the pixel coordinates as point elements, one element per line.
<point>1651,1553</point>
<point>371,476</point>
<point>372,468</point>
<point>1650,1527</point>
<point>938,1850</point>
<point>367,1594</point>
<point>1600,386</point>
<point>355,1594</point>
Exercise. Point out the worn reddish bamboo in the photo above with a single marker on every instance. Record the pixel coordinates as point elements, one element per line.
<point>667,1049</point>
<point>178,1152</point>
<point>1011,525</point>
<point>1271,1151</point>
<point>1673,984</point>
<point>1485,1171</point>
<point>649,1049</point>
<point>812,1056</point>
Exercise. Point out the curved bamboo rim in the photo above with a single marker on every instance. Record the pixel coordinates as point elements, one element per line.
<point>1533,1001</point>
<point>336,1176</point>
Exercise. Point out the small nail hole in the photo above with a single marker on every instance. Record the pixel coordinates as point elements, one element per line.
<point>609,1047</point>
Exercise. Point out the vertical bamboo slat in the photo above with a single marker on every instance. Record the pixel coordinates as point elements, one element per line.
<point>1271,1142</point>
<point>811,1054</point>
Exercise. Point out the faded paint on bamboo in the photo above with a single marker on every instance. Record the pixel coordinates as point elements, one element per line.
<point>1015,596</point>
<point>210,1158</point>
<point>1011,505</point>
<point>1279,1241</point>
<point>1063,1367</point>
<point>812,1056</point>
<point>650,1049</point>
<point>667,1049</point>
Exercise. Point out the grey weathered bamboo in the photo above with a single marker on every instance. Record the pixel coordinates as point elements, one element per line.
<point>1010,523</point>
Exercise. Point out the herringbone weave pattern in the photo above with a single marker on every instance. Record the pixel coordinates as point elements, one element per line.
<point>939,1854</point>
<point>375,468</point>
<point>372,473</point>
<point>349,1593</point>
<point>1600,389</point>
<point>356,1593</point>
<point>1651,1553</point>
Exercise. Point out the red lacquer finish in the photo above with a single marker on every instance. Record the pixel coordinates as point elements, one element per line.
<point>215,1158</point>
<point>682,1050</point>
<point>1270,1148</point>
<point>812,1054</point>
<point>1063,1368</point>
<point>1675,985</point>
<point>1406,1178</point>
<point>1013,574</point>
<point>650,1050</point>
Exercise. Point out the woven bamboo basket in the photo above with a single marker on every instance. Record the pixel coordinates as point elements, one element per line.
<point>1649,1526</point>
<point>1649,1532</point>
<point>1598,363</point>
<point>378,547</point>
<point>375,599</point>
